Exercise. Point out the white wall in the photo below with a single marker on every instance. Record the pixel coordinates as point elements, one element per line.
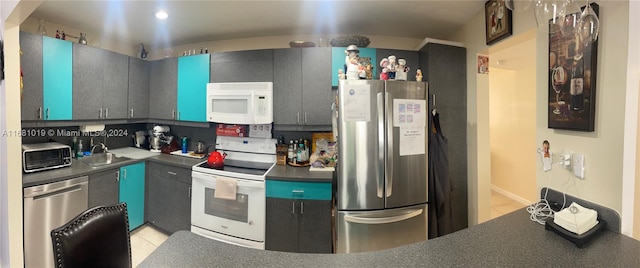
<point>603,148</point>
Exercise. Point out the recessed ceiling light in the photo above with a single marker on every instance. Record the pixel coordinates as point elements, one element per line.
<point>162,15</point>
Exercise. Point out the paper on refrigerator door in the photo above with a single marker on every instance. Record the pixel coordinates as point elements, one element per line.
<point>412,140</point>
<point>407,112</point>
<point>357,103</point>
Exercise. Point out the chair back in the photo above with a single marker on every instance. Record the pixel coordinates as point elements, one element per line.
<point>98,237</point>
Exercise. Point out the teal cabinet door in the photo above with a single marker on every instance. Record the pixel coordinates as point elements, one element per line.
<point>337,61</point>
<point>193,76</point>
<point>132,192</point>
<point>57,74</point>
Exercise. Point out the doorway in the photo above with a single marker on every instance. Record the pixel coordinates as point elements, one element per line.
<point>512,124</point>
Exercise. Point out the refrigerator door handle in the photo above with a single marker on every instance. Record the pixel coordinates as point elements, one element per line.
<point>381,175</point>
<point>376,220</point>
<point>389,167</point>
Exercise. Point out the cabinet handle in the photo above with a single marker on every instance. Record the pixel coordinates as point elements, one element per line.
<point>301,207</point>
<point>131,113</point>
<point>298,115</point>
<point>47,113</point>
<point>305,118</point>
<point>173,114</point>
<point>172,173</point>
<point>434,100</point>
<point>100,114</point>
<point>39,112</point>
<point>106,112</point>
<point>178,115</point>
<point>293,210</point>
<point>189,191</point>
<point>118,175</point>
<point>124,174</point>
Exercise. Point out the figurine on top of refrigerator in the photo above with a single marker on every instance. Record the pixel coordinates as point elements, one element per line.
<point>351,62</point>
<point>402,70</point>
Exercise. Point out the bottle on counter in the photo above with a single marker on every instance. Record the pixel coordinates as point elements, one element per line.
<point>299,154</point>
<point>290,152</point>
<point>74,147</point>
<point>306,151</point>
<point>80,152</point>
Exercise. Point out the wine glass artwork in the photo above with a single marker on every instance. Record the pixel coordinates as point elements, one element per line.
<point>557,79</point>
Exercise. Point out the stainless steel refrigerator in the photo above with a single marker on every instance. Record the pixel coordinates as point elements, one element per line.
<point>381,187</point>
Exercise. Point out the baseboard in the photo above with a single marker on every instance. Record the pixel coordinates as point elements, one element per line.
<point>506,193</point>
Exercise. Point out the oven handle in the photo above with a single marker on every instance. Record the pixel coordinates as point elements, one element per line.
<point>206,179</point>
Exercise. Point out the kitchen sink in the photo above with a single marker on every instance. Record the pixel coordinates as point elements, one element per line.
<point>97,160</point>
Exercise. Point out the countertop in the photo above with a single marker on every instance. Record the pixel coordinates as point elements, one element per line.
<point>508,241</point>
<point>78,169</point>
<point>299,174</point>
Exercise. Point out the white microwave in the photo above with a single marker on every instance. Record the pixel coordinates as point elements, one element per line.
<point>240,103</point>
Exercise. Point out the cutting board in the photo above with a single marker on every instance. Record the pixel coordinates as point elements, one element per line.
<point>188,154</point>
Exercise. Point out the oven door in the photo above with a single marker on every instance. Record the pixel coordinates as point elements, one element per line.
<point>243,217</point>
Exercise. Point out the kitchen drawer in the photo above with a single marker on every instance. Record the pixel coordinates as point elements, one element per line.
<point>299,190</point>
<point>170,172</point>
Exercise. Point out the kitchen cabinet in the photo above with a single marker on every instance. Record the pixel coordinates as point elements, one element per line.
<point>444,68</point>
<point>132,188</point>
<point>100,83</point>
<point>168,199</point>
<point>301,85</point>
<point>242,66</point>
<point>412,58</point>
<point>163,83</point>
<point>298,216</point>
<point>337,61</point>
<point>138,102</point>
<point>104,187</point>
<point>193,76</point>
<point>57,78</point>
<point>31,64</point>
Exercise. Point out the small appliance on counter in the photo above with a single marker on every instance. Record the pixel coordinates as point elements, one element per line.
<point>159,138</point>
<point>45,156</point>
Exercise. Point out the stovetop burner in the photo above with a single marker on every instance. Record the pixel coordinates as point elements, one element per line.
<point>243,167</point>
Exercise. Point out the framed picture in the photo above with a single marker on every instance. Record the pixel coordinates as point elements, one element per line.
<point>572,79</point>
<point>483,64</point>
<point>498,21</point>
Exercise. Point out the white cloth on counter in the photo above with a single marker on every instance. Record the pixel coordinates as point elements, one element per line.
<point>578,221</point>
<point>226,188</point>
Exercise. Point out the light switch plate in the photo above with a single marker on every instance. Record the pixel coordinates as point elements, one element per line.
<point>578,165</point>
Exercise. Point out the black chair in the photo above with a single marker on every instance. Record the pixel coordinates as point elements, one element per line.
<point>98,237</point>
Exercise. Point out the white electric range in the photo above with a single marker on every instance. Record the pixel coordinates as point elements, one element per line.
<point>240,221</point>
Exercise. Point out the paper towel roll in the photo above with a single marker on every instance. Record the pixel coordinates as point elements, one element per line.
<point>92,128</point>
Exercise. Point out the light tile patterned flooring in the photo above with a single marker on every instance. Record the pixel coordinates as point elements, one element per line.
<point>145,240</point>
<point>501,205</point>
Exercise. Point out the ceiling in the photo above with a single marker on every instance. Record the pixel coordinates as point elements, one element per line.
<point>191,22</point>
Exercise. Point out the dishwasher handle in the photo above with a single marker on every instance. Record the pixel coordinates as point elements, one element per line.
<point>54,192</point>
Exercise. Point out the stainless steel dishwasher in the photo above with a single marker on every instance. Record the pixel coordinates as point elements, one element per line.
<point>47,207</point>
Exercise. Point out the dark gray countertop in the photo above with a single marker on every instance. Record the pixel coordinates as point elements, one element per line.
<point>301,174</point>
<point>508,241</point>
<point>78,169</point>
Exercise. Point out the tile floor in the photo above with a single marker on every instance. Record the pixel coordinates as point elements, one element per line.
<point>501,205</point>
<point>145,240</point>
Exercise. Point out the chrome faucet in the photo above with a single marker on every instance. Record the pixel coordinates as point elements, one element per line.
<point>102,147</point>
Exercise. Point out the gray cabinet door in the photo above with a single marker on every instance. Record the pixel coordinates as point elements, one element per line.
<point>163,84</point>
<point>115,79</point>
<point>104,188</point>
<point>242,66</point>
<point>287,86</point>
<point>281,225</point>
<point>445,73</point>
<point>316,86</point>
<point>168,204</point>
<point>138,102</point>
<point>88,82</point>
<point>314,227</point>
<point>31,63</point>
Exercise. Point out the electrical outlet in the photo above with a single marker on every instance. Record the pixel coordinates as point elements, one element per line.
<point>578,165</point>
